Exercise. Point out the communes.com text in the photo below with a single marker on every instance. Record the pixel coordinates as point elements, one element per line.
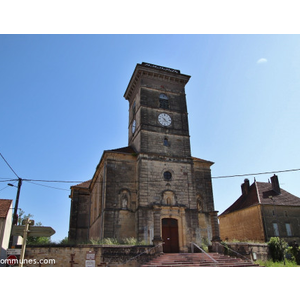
<point>26,261</point>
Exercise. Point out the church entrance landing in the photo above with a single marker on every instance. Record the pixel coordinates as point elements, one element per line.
<point>170,235</point>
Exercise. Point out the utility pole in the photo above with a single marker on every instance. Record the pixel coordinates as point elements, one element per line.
<point>15,215</point>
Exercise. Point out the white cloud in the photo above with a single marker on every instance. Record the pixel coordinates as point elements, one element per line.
<point>262,61</point>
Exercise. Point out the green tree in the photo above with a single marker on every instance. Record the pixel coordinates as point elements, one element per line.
<point>33,240</point>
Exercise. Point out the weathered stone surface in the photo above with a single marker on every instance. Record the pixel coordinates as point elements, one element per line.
<point>134,188</point>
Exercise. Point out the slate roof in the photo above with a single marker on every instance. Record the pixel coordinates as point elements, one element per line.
<point>4,207</point>
<point>259,193</point>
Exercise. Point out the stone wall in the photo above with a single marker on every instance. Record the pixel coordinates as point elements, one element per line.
<point>79,214</point>
<point>117,198</point>
<point>245,224</point>
<point>105,256</point>
<point>254,251</point>
<point>282,215</point>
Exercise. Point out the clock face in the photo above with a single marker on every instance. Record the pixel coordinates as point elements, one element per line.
<point>133,126</point>
<point>164,119</point>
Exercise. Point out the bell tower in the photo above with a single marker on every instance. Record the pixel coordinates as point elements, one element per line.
<point>158,119</point>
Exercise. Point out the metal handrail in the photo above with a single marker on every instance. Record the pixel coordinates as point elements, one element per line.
<point>234,251</point>
<point>203,252</point>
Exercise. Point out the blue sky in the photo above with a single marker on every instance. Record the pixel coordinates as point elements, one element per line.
<point>62,105</point>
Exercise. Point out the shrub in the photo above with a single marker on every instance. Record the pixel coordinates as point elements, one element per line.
<point>277,248</point>
<point>294,252</point>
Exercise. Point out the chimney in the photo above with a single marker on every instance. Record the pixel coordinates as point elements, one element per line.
<point>245,187</point>
<point>275,184</point>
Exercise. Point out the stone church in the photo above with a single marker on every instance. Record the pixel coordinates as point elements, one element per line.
<point>153,189</point>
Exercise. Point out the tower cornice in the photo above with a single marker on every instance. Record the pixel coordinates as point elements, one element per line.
<point>154,71</point>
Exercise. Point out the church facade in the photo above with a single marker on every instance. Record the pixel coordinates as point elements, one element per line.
<point>153,189</point>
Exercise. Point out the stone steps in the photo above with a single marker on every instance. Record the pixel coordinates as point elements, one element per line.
<point>197,260</point>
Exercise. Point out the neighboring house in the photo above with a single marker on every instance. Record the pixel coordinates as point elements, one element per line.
<point>5,226</point>
<point>264,210</point>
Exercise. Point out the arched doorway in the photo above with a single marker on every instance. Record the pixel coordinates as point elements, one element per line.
<point>170,235</point>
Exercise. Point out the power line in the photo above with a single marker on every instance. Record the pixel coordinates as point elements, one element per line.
<point>58,181</point>
<point>4,188</point>
<point>34,181</point>
<point>7,180</point>
<point>253,174</point>
<point>9,165</point>
<point>48,186</point>
<point>133,181</point>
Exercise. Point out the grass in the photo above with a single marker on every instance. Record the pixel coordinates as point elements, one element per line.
<point>245,241</point>
<point>270,263</point>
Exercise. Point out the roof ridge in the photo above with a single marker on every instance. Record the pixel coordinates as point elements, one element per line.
<point>127,149</point>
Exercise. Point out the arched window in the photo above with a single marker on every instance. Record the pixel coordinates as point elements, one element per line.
<point>166,142</point>
<point>163,101</point>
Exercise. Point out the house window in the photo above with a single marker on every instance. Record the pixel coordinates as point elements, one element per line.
<point>275,228</point>
<point>288,229</point>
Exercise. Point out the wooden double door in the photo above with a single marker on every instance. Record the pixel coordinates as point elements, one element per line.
<point>170,235</point>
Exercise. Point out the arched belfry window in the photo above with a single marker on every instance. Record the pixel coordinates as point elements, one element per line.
<point>163,101</point>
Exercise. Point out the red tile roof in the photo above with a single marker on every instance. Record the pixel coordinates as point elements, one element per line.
<point>243,201</point>
<point>284,198</point>
<point>259,193</point>
<point>4,207</point>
